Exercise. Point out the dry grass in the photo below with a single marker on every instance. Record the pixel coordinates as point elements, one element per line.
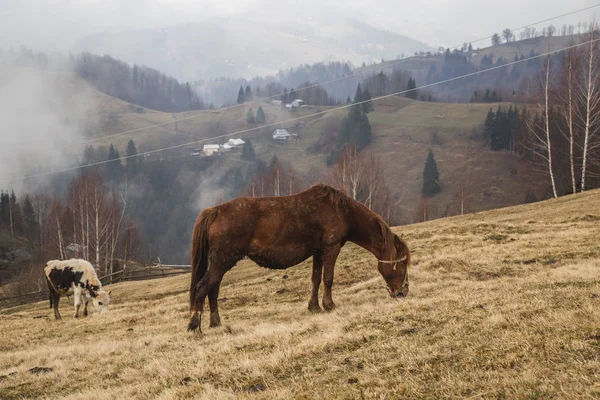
<point>503,304</point>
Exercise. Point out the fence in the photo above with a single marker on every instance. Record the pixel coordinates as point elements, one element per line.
<point>155,271</point>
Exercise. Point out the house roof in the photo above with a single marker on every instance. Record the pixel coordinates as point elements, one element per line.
<point>235,142</point>
<point>211,147</point>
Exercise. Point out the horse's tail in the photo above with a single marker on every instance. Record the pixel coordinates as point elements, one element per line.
<point>200,250</point>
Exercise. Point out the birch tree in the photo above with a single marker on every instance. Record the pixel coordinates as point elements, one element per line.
<point>589,96</point>
<point>541,131</point>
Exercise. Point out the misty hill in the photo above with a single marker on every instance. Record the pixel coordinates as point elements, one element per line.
<point>249,47</point>
<point>506,300</point>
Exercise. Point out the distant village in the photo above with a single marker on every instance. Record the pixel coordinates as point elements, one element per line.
<point>279,135</point>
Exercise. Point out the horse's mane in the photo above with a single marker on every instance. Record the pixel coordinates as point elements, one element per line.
<point>336,197</point>
<point>339,199</point>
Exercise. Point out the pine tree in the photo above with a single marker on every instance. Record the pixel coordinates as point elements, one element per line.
<point>470,47</point>
<point>358,96</point>
<point>133,162</point>
<point>248,153</point>
<point>355,128</point>
<point>241,96</point>
<point>260,115</point>
<point>431,178</point>
<point>114,167</point>
<point>30,227</point>
<point>368,105</point>
<point>250,117</point>
<point>411,86</point>
<point>248,94</point>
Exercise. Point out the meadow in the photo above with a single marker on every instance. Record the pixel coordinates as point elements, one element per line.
<point>503,304</point>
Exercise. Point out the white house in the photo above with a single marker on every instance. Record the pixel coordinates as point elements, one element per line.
<point>235,142</point>
<point>281,134</point>
<point>298,103</point>
<point>226,147</point>
<point>289,107</point>
<point>210,149</point>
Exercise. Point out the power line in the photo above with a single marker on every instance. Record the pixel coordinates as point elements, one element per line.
<point>319,113</point>
<point>363,71</point>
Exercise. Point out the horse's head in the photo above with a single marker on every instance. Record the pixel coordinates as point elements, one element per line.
<point>395,270</point>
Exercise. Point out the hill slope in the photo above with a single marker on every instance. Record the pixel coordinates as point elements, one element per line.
<point>402,132</point>
<point>503,304</point>
<point>223,46</point>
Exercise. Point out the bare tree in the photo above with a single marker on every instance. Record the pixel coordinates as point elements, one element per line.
<point>567,95</point>
<point>589,96</point>
<point>507,34</point>
<point>541,131</point>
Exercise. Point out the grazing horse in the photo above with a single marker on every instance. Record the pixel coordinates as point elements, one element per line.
<point>280,232</point>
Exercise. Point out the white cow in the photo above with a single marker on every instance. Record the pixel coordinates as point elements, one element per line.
<point>75,277</point>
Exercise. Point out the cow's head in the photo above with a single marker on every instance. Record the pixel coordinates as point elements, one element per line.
<point>101,301</point>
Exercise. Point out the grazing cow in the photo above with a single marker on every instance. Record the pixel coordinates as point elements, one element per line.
<point>78,278</point>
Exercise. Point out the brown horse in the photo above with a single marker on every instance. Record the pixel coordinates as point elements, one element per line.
<point>280,232</point>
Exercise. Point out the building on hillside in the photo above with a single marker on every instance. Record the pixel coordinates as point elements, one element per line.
<point>235,142</point>
<point>298,103</point>
<point>290,107</point>
<point>210,149</point>
<point>278,103</point>
<point>226,147</point>
<point>284,135</point>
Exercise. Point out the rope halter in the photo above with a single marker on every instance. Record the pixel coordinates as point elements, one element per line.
<point>395,262</point>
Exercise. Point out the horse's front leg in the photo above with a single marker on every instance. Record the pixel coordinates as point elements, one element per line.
<point>313,304</point>
<point>329,258</point>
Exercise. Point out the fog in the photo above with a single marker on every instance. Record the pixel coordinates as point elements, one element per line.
<point>56,25</point>
<point>43,116</point>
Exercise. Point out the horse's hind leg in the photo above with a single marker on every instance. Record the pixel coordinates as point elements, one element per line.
<point>208,286</point>
<point>313,304</point>
<point>213,295</point>
<point>329,257</point>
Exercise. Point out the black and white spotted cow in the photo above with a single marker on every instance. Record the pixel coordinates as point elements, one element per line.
<point>78,278</point>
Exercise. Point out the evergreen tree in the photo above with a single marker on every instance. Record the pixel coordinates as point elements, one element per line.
<point>114,167</point>
<point>358,95</point>
<point>355,128</point>
<point>431,178</point>
<point>16,217</point>
<point>470,47</point>
<point>260,115</point>
<point>248,153</point>
<point>348,100</point>
<point>368,106</point>
<point>412,85</point>
<point>132,162</point>
<point>250,117</point>
<point>30,228</point>
<point>248,94</point>
<point>241,96</point>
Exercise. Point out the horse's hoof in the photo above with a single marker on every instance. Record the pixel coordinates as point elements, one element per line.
<point>215,322</point>
<point>329,307</point>
<point>314,309</point>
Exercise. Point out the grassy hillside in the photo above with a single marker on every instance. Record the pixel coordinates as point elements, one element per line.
<point>503,304</point>
<point>402,131</point>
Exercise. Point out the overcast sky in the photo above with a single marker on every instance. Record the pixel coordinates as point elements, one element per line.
<point>55,24</point>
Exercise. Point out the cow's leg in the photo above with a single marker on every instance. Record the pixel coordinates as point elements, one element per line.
<point>330,255</point>
<point>77,296</point>
<point>86,300</point>
<point>313,304</point>
<point>55,299</point>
